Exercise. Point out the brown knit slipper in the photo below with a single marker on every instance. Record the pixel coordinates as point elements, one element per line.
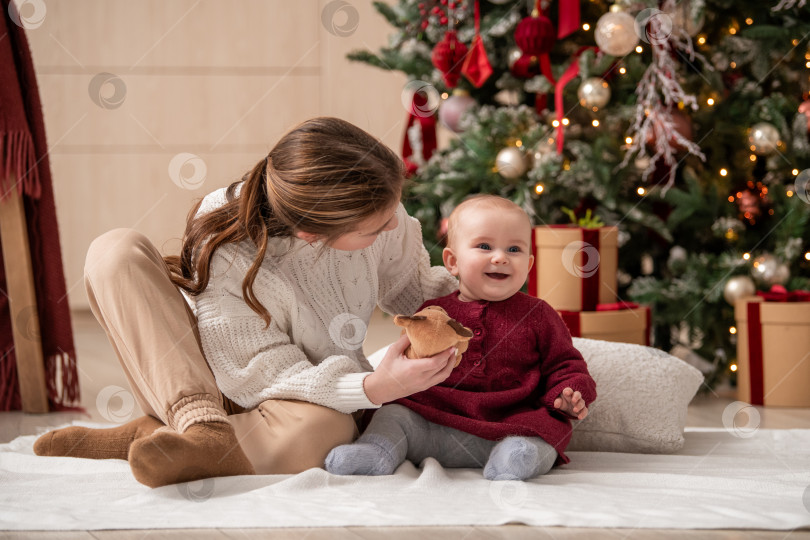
<point>204,450</point>
<point>82,442</point>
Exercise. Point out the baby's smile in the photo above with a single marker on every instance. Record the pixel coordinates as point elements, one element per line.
<point>497,275</point>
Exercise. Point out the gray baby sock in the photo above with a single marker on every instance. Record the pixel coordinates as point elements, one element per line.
<point>519,458</point>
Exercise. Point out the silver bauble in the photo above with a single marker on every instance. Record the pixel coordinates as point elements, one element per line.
<point>764,138</point>
<point>510,162</point>
<point>593,93</point>
<point>738,287</point>
<point>615,33</point>
<point>768,271</point>
<point>454,108</point>
<point>513,56</point>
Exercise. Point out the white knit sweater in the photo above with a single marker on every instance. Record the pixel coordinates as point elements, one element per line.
<point>320,309</point>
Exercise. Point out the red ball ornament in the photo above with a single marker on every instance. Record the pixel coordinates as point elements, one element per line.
<point>448,57</point>
<point>535,36</point>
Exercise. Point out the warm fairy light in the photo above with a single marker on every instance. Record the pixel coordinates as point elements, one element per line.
<point>752,157</point>
<point>629,140</point>
<point>753,148</point>
<point>556,123</point>
<point>807,56</point>
<point>770,212</point>
<point>807,64</point>
<point>733,65</point>
<point>733,367</point>
<point>807,256</point>
<point>622,70</point>
<point>747,256</point>
<point>445,95</point>
<point>723,172</point>
<point>595,123</point>
<point>566,121</point>
<point>795,42</point>
<point>731,198</point>
<point>710,102</point>
<point>641,191</point>
<point>567,165</point>
<point>732,330</point>
<point>749,20</point>
<point>702,40</point>
<point>518,143</point>
<point>732,30</point>
<point>739,194</point>
<point>539,189</point>
<point>639,49</point>
<point>795,172</point>
<point>789,193</point>
<point>586,27</point>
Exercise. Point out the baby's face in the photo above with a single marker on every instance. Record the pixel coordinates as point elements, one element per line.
<point>490,253</point>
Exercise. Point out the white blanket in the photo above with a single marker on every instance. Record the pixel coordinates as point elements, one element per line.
<point>716,481</point>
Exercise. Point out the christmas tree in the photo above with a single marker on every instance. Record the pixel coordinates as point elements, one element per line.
<point>683,123</point>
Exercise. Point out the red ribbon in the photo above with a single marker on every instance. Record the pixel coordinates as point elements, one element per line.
<point>428,126</point>
<point>559,87</point>
<point>755,353</point>
<point>782,295</point>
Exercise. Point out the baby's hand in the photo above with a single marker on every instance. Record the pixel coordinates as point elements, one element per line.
<point>571,402</point>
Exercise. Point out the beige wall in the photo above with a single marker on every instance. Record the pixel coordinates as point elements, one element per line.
<point>220,80</point>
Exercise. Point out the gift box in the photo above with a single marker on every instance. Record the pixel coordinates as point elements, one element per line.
<point>623,322</point>
<point>574,267</point>
<point>773,349</point>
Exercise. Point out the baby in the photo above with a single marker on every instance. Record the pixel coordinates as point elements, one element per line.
<point>508,406</point>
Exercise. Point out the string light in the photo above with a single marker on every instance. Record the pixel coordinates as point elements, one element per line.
<point>702,40</point>
<point>789,193</point>
<point>749,21</point>
<point>639,49</point>
<point>723,172</point>
<point>795,172</point>
<point>595,123</point>
<point>733,65</point>
<point>732,330</point>
<point>733,367</point>
<point>445,95</point>
<point>622,70</point>
<point>586,27</point>
<point>807,64</point>
<point>555,123</point>
<point>747,256</point>
<point>710,102</point>
<point>752,157</point>
<point>629,140</point>
<point>641,191</point>
<point>731,198</point>
<point>732,30</point>
<point>566,121</point>
<point>518,143</point>
<point>795,42</point>
<point>539,188</point>
<point>807,256</point>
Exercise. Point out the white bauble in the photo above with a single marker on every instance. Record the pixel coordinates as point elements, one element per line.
<point>738,287</point>
<point>768,271</point>
<point>454,108</point>
<point>615,33</point>
<point>764,138</point>
<point>510,162</point>
<point>593,93</point>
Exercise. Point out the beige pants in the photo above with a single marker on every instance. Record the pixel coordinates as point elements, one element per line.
<point>154,334</point>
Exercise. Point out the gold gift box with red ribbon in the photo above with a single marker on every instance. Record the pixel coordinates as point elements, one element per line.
<point>773,349</point>
<point>574,267</point>
<point>623,322</point>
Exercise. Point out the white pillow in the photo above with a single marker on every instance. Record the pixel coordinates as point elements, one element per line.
<point>642,397</point>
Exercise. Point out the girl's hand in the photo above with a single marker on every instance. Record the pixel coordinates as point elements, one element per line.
<point>571,403</point>
<point>398,376</point>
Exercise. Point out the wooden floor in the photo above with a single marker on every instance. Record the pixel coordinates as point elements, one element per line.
<point>99,370</point>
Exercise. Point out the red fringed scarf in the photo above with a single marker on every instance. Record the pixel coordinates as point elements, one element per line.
<point>24,153</point>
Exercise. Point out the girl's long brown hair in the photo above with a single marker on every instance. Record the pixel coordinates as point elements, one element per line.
<point>323,177</point>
